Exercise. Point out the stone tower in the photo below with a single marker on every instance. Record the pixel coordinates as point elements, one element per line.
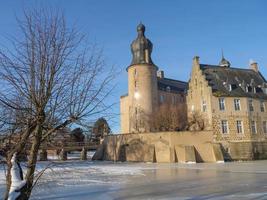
<point>142,84</point>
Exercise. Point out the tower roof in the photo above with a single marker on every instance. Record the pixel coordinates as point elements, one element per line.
<point>224,62</point>
<point>141,47</point>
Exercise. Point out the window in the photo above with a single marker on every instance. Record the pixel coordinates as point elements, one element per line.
<point>204,106</point>
<point>237,104</point>
<point>135,84</point>
<point>174,100</point>
<point>262,106</point>
<point>221,104</point>
<point>192,108</point>
<point>230,87</point>
<point>239,126</point>
<point>248,89</point>
<point>161,98</point>
<point>264,126</point>
<point>253,127</point>
<point>250,105</point>
<point>135,72</point>
<point>224,126</point>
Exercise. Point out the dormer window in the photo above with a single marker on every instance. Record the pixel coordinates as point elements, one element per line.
<point>248,89</point>
<point>254,89</point>
<point>230,88</point>
<point>168,88</point>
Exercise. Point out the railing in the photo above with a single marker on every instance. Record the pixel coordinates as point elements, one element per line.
<point>59,145</point>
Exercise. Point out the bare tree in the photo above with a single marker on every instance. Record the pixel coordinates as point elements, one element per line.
<point>169,117</point>
<point>196,121</point>
<point>49,79</point>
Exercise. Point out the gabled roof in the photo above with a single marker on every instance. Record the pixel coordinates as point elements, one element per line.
<point>235,82</point>
<point>175,86</point>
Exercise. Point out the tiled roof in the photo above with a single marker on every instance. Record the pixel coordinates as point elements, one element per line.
<point>173,85</point>
<point>236,82</point>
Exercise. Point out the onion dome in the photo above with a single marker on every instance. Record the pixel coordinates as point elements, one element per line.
<point>141,48</point>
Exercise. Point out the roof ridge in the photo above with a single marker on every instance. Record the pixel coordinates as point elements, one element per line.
<point>237,68</point>
<point>174,80</point>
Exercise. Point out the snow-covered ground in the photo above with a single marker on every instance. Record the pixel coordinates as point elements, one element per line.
<point>107,180</point>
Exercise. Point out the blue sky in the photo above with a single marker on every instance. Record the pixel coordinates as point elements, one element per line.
<point>178,29</point>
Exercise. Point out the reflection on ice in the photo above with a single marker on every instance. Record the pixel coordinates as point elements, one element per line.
<point>108,180</point>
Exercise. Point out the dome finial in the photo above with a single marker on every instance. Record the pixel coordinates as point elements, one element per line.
<point>141,28</point>
<point>224,62</point>
<point>141,48</point>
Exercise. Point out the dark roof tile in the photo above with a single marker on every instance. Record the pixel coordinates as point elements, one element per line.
<point>176,86</point>
<point>220,79</point>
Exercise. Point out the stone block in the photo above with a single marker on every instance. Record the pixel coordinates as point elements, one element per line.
<point>140,152</point>
<point>190,155</point>
<point>99,154</point>
<point>217,151</point>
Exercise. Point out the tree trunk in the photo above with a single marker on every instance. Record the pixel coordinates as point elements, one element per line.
<point>8,177</point>
<point>19,148</point>
<point>27,189</point>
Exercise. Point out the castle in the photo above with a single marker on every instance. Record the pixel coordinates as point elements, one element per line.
<point>220,114</point>
<point>230,101</point>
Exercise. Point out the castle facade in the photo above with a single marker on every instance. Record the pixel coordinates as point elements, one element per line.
<point>230,101</point>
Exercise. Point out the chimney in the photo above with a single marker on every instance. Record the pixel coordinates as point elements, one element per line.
<point>160,74</point>
<point>254,66</point>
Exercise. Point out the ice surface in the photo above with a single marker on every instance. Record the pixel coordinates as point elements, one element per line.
<point>107,180</point>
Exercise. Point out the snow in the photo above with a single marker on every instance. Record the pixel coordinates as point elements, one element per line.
<point>108,180</point>
<point>75,155</point>
<point>17,181</point>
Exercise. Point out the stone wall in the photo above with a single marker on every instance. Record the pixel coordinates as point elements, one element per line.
<point>168,147</point>
<point>161,147</point>
<point>246,150</point>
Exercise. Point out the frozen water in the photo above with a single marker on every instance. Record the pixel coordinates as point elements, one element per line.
<point>108,180</point>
